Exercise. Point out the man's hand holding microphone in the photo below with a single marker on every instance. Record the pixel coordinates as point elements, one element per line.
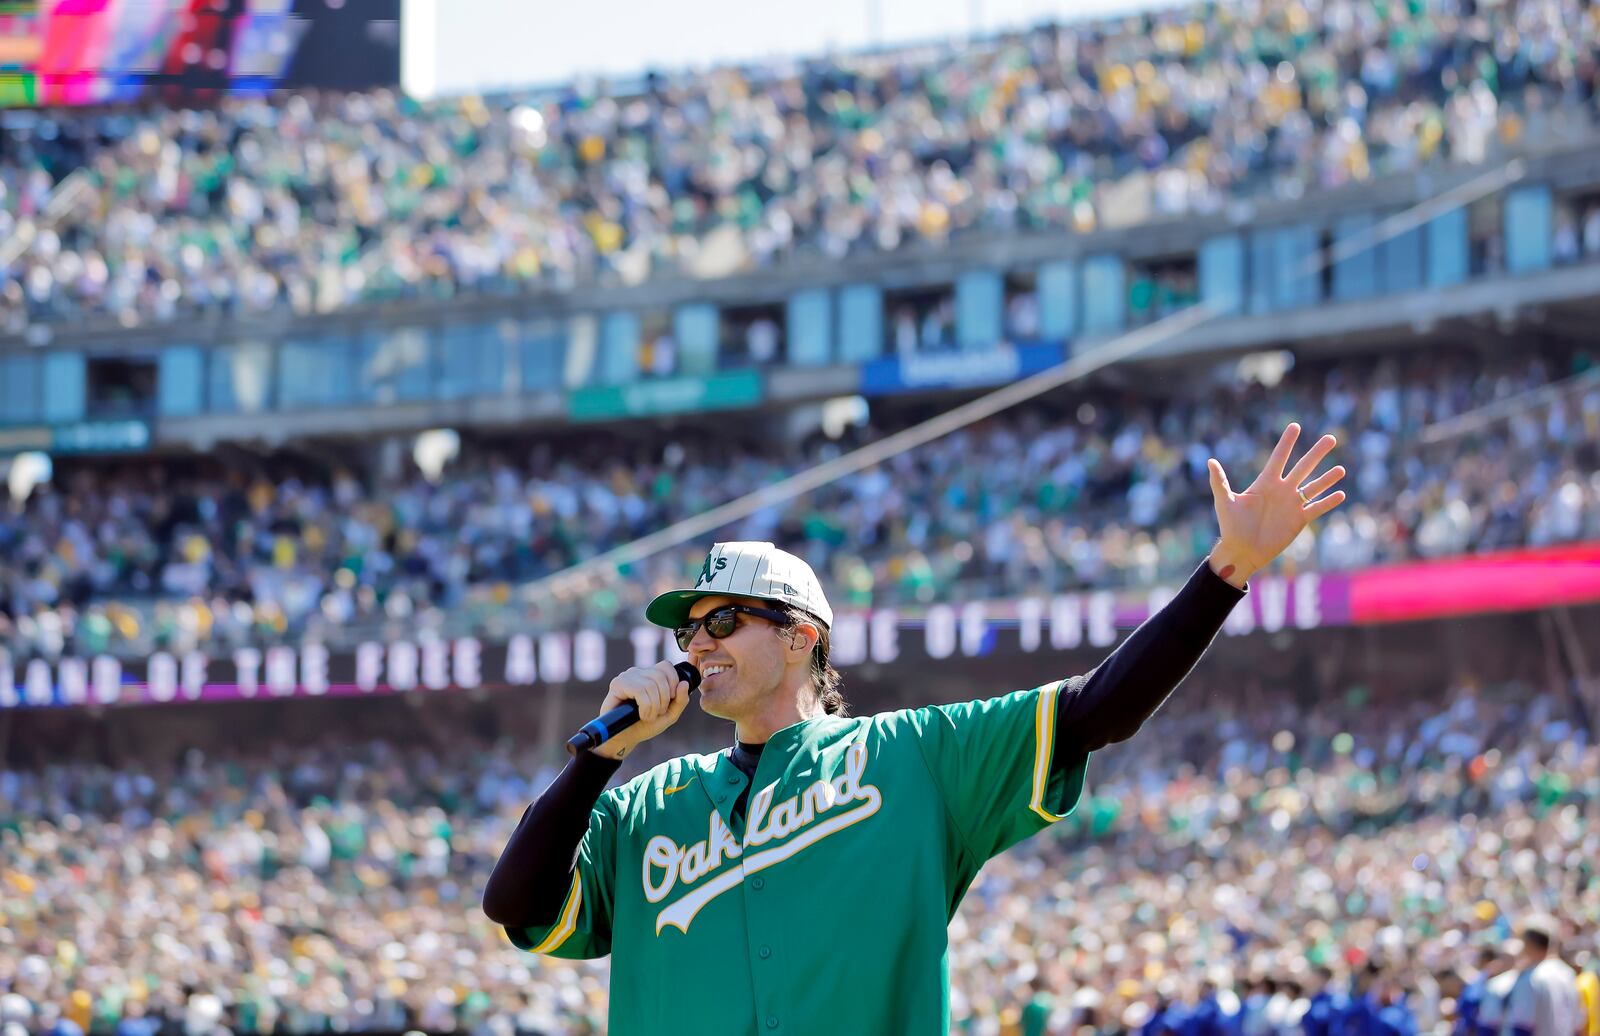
<point>640,703</point>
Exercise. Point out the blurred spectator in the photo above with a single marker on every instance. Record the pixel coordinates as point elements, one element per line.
<point>1093,489</point>
<point>1245,866</point>
<point>313,203</point>
<point>1544,1000</point>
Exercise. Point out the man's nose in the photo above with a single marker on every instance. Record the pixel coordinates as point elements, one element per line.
<point>701,644</point>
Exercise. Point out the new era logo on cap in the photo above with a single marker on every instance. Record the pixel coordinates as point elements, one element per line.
<point>746,568</point>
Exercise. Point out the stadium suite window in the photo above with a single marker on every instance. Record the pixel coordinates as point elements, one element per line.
<point>395,365</point>
<point>1486,236</point>
<point>1576,222</point>
<point>920,319</point>
<point>1590,239</point>
<point>121,386</point>
<point>617,349</point>
<point>316,373</point>
<point>21,397</point>
<point>1348,273</point>
<point>657,349</point>
<point>751,336</point>
<point>472,360</point>
<point>541,355</point>
<point>1022,306</point>
<point>1161,286</point>
<point>239,378</point>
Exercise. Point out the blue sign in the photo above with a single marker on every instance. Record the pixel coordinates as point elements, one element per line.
<point>1003,363</point>
<point>79,437</point>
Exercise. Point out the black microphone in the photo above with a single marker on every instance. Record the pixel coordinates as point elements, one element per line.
<point>608,725</point>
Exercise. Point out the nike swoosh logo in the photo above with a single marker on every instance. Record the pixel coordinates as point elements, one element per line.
<point>672,791</point>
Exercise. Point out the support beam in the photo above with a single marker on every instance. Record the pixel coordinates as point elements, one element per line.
<point>1587,689</point>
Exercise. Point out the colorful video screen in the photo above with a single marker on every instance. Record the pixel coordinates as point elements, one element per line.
<point>76,52</point>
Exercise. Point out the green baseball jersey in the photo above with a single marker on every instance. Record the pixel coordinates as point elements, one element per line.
<point>826,910</point>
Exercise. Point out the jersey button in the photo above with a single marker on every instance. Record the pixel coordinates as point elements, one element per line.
<point>772,1021</point>
<point>722,798</point>
<point>732,779</point>
<point>766,951</point>
<point>758,884</point>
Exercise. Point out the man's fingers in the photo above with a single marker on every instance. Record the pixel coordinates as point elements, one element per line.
<point>1318,508</point>
<point>1280,453</point>
<point>646,700</point>
<point>657,691</point>
<point>651,698</point>
<point>664,691</point>
<point>1323,482</point>
<point>1313,457</point>
<point>1219,478</point>
<point>668,702</point>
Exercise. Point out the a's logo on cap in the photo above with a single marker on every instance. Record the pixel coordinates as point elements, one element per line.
<point>705,570</point>
<point>791,591</point>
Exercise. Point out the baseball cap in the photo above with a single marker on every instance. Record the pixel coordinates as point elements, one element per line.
<point>745,568</point>
<point>1542,928</point>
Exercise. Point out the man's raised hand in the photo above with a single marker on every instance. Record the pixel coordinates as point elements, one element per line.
<point>1259,523</point>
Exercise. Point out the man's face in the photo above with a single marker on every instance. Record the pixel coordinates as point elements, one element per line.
<point>1532,953</point>
<point>754,651</point>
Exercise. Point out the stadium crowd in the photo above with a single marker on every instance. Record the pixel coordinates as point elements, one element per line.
<point>1383,863</point>
<point>1247,865</point>
<point>1102,489</point>
<point>314,203</point>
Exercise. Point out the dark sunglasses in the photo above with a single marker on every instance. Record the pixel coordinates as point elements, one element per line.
<point>721,622</point>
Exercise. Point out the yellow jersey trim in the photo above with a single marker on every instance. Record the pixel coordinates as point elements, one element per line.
<point>1044,732</point>
<point>568,922</point>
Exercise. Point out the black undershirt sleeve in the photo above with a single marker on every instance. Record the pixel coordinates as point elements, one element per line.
<point>1112,701</point>
<point>1109,704</point>
<point>531,879</point>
